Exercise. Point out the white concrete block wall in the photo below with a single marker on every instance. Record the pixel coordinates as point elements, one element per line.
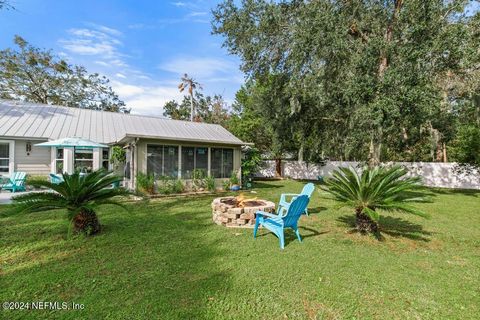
<point>434,174</point>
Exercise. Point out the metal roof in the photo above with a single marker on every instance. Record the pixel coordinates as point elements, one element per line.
<point>20,119</point>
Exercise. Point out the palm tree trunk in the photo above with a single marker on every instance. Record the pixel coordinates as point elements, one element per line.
<point>86,221</point>
<point>364,223</point>
<point>192,110</point>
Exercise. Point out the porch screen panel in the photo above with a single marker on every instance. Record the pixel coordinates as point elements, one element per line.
<point>227,163</point>
<point>216,163</point>
<point>170,161</point>
<point>201,160</point>
<point>154,160</point>
<point>4,157</point>
<point>188,162</point>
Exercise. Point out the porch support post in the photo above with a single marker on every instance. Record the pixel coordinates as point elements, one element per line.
<point>68,160</point>
<point>209,161</point>
<point>179,176</point>
<point>96,159</point>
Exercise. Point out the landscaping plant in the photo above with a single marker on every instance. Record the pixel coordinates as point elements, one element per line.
<point>210,183</point>
<point>198,179</point>
<point>145,183</point>
<point>373,190</point>
<point>250,163</point>
<point>78,194</point>
<point>167,185</point>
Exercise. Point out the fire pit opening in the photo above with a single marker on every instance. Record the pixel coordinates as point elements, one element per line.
<point>238,212</point>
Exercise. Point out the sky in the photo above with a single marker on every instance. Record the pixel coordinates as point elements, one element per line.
<point>143,47</point>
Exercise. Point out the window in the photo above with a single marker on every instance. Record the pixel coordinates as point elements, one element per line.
<point>59,160</point>
<point>162,160</point>
<point>4,157</point>
<point>194,158</point>
<point>222,163</point>
<point>105,158</point>
<point>83,160</point>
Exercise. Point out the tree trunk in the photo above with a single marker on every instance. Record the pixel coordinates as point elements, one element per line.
<point>192,110</point>
<point>444,147</point>
<point>363,223</point>
<point>86,221</point>
<point>278,167</point>
<point>300,152</point>
<point>375,150</point>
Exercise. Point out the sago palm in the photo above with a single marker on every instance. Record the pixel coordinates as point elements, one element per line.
<point>78,194</point>
<point>375,189</point>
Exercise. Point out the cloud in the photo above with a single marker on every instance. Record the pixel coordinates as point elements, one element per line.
<point>147,100</point>
<point>119,75</point>
<point>199,67</point>
<point>98,41</point>
<point>179,4</point>
<point>196,14</point>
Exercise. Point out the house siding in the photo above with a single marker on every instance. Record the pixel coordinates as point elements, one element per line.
<point>38,162</point>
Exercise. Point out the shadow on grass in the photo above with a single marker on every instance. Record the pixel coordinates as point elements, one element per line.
<point>290,235</point>
<point>152,255</point>
<point>262,185</point>
<point>394,227</point>
<point>465,192</point>
<point>316,210</point>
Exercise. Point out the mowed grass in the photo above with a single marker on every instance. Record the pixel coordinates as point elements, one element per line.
<point>167,260</point>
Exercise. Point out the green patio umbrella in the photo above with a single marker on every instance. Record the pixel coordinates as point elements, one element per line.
<point>73,142</point>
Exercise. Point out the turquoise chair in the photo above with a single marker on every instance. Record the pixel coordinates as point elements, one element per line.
<point>277,224</point>
<point>284,203</point>
<point>55,179</point>
<point>16,182</point>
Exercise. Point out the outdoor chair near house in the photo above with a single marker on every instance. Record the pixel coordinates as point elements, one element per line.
<point>277,223</point>
<point>55,179</point>
<point>15,183</point>
<point>284,203</point>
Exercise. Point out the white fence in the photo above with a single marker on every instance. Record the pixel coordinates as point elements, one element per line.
<point>434,174</point>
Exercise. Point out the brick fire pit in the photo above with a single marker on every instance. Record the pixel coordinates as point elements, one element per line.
<point>236,212</point>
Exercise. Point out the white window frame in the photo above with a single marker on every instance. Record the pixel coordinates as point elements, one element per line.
<point>93,151</point>
<point>11,155</point>
<point>102,159</point>
<point>55,159</point>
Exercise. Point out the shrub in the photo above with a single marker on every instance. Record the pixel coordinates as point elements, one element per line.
<point>210,183</point>
<point>167,185</point>
<point>226,185</point>
<point>145,183</point>
<point>178,186</point>
<point>198,179</point>
<point>118,157</point>
<point>234,178</point>
<point>30,181</point>
<point>250,164</point>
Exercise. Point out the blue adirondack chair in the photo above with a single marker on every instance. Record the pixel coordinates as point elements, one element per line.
<point>277,223</point>
<point>16,182</point>
<point>56,179</point>
<point>284,203</point>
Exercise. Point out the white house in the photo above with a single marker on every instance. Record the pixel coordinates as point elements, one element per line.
<point>154,145</point>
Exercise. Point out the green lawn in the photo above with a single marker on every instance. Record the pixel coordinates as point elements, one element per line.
<point>167,260</point>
